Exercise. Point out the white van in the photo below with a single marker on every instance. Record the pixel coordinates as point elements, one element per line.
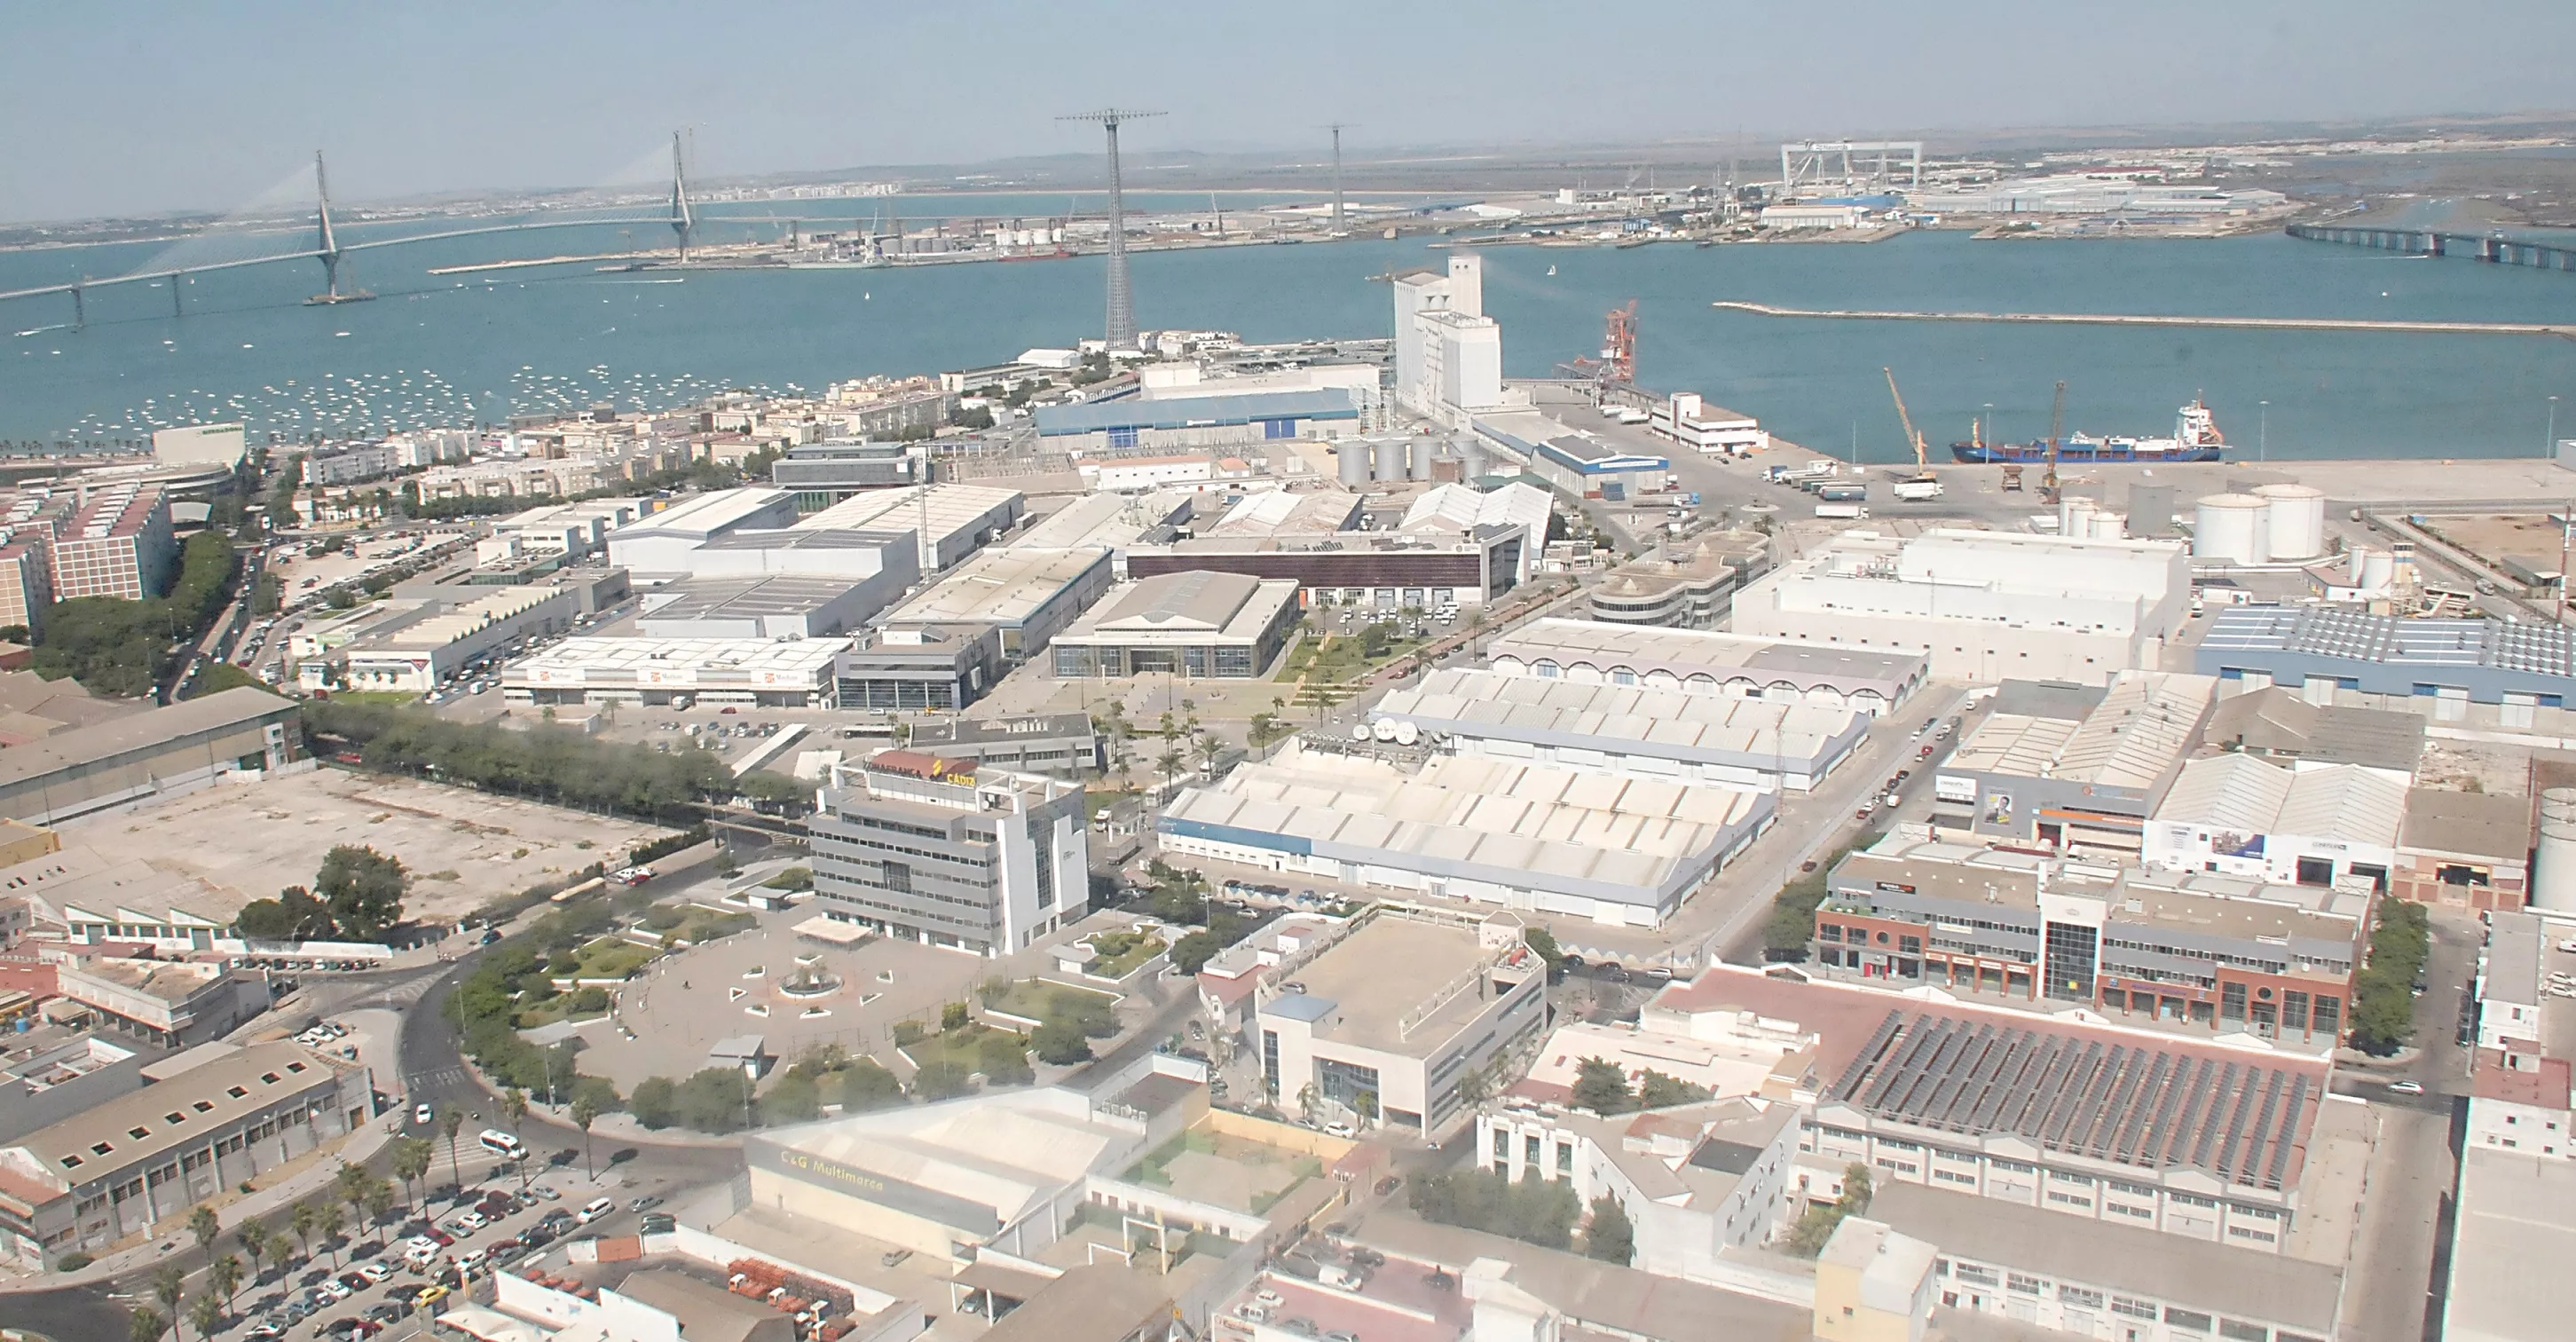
<point>597,1208</point>
<point>502,1144</point>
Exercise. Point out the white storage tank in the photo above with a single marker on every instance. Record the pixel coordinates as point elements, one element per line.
<point>2075,517</point>
<point>1353,463</point>
<point>1390,461</point>
<point>2296,521</point>
<point>2553,868</point>
<point>2109,526</point>
<point>2378,570</point>
<point>2232,529</point>
<point>1423,447</point>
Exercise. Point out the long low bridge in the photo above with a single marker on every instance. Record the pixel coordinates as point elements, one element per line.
<point>2494,248</point>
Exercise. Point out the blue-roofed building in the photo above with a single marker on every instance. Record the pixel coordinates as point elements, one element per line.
<point>2477,672</point>
<point>1206,419</point>
<point>1575,461</point>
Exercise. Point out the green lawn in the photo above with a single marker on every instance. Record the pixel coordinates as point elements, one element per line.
<point>693,923</point>
<point>962,1047</point>
<point>1122,952</point>
<point>613,958</point>
<point>1031,999</point>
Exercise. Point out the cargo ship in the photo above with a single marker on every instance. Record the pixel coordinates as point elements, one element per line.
<point>2195,438</point>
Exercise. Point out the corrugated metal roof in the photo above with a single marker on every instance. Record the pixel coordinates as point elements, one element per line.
<point>1181,412</point>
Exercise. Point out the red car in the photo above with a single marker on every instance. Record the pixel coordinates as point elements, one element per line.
<point>444,1239</point>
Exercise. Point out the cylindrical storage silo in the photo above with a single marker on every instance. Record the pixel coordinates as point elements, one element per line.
<point>2075,517</point>
<point>1422,450</point>
<point>1390,461</point>
<point>1354,463</point>
<point>2378,570</point>
<point>2110,527</point>
<point>2553,869</point>
<point>2231,529</point>
<point>1471,459</point>
<point>2297,521</point>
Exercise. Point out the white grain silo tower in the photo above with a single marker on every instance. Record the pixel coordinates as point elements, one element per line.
<point>2553,864</point>
<point>1422,449</point>
<point>2297,521</point>
<point>2232,529</point>
<point>1390,461</point>
<point>1353,463</point>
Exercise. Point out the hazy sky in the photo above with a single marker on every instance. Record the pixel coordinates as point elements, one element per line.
<point>160,105</point>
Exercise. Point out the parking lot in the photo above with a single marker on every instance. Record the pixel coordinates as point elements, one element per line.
<point>399,1274</point>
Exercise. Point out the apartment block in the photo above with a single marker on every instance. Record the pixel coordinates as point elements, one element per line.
<point>117,543</point>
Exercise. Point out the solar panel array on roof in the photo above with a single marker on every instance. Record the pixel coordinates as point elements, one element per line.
<point>2132,1103</point>
<point>2330,632</point>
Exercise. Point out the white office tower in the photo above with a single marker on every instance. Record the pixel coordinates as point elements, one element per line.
<point>1448,353</point>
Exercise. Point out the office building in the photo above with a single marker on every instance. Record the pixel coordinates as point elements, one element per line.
<point>1694,423</point>
<point>951,521</point>
<point>837,468</point>
<point>1388,1021</point>
<point>2477,673</point>
<point>220,445</point>
<point>919,667</point>
<point>1224,626</point>
<point>661,671</point>
<point>1704,662</point>
<point>230,733</point>
<point>1683,584</point>
<point>938,851</point>
<point>1986,606</point>
<point>1616,850</point>
<point>117,543</point>
<point>1695,1180</point>
<point>1061,744</point>
<point>1628,730</point>
<point>2187,951</point>
<point>2072,767</point>
<point>1029,596</point>
<point>139,1164</point>
<point>659,545</point>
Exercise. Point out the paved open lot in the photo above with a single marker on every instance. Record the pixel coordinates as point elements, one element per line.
<point>462,847</point>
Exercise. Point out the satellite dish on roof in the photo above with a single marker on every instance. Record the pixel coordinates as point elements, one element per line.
<point>1359,731</point>
<point>1385,730</point>
<point>1406,733</point>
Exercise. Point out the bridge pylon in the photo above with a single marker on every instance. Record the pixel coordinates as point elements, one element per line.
<point>326,246</point>
<point>682,222</point>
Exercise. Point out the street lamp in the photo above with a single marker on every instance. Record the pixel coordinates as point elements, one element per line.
<point>2263,431</point>
<point>2549,436</point>
<point>1986,423</point>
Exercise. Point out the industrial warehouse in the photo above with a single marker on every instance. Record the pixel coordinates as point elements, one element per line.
<point>1600,847</point>
<point>1704,739</point>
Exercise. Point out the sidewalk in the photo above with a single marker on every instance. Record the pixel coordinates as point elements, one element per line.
<point>324,1167</point>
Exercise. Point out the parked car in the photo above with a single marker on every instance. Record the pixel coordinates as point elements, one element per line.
<point>2406,1087</point>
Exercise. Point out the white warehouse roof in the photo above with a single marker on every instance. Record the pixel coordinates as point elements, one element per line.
<point>2342,802</point>
<point>1772,736</point>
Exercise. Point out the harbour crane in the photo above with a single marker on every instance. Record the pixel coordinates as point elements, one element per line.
<point>2056,433</point>
<point>1922,468</point>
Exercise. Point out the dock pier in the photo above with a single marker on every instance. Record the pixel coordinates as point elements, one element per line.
<point>2141,319</point>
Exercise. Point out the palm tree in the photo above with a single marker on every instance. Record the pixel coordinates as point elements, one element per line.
<point>351,1185</point>
<point>206,1312</point>
<point>449,1123</point>
<point>411,1157</point>
<point>145,1325</point>
<point>585,1111</point>
<point>207,1227</point>
<point>279,1249</point>
<point>223,1276</point>
<point>514,1111</point>
<point>1170,763</point>
<point>301,1221</point>
<point>253,1237</point>
<point>330,1220</point>
<point>169,1286</point>
<point>380,1200</point>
